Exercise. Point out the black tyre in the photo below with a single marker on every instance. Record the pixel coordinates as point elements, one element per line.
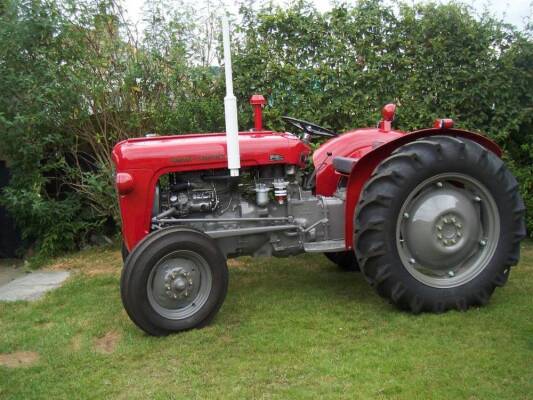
<point>439,225</point>
<point>124,252</point>
<point>344,259</point>
<point>175,279</point>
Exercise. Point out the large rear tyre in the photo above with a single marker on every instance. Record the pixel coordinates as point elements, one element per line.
<point>175,279</point>
<point>439,225</point>
<point>345,260</point>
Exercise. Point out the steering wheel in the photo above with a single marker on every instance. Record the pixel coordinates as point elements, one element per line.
<point>309,128</point>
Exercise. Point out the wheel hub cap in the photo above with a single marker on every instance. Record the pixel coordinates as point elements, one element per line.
<point>447,230</point>
<point>178,283</point>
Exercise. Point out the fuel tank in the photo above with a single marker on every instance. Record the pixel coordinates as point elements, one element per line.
<point>353,144</point>
<point>208,151</point>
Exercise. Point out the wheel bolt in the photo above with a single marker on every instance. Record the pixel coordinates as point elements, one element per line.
<point>454,241</point>
<point>406,215</point>
<point>451,274</point>
<point>439,184</point>
<point>446,241</point>
<point>439,236</point>
<point>483,242</point>
<point>412,261</point>
<point>459,234</point>
<point>439,227</point>
<point>477,199</point>
<point>445,220</point>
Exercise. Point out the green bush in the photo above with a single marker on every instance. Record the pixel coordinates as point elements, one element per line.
<point>75,80</point>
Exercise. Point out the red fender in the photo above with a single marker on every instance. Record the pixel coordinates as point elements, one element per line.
<point>363,169</point>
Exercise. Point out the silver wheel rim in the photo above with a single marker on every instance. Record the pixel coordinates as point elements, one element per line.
<point>447,230</point>
<point>179,284</point>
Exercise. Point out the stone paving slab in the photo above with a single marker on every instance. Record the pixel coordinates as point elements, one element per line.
<point>32,286</point>
<point>9,273</point>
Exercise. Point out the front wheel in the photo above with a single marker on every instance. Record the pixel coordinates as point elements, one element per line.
<point>439,225</point>
<point>175,279</point>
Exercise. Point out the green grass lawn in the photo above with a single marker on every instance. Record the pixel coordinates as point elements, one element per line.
<point>290,328</point>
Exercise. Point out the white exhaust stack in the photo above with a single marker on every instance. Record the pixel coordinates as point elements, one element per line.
<point>230,107</point>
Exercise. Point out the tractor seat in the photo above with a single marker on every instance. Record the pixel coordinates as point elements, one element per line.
<point>344,165</point>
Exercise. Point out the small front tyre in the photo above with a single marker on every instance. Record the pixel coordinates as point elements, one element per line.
<point>174,280</point>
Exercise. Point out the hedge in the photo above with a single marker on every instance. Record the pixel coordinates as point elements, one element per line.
<point>76,78</point>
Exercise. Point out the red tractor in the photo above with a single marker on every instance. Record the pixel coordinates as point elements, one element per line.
<point>432,218</point>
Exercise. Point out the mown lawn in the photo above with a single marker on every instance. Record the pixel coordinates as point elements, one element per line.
<point>290,328</point>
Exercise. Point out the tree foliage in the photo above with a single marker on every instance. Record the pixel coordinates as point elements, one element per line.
<point>76,78</point>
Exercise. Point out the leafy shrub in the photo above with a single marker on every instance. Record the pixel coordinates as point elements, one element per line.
<point>75,80</point>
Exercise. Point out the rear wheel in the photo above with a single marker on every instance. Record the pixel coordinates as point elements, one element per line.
<point>439,225</point>
<point>175,279</point>
<point>344,259</point>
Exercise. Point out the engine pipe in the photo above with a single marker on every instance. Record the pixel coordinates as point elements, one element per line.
<point>230,107</point>
<point>258,102</point>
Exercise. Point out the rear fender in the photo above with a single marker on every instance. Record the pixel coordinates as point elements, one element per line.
<point>363,169</point>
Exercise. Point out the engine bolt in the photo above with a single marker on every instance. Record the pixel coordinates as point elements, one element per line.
<point>439,184</point>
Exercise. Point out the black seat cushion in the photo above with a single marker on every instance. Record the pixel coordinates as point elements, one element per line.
<point>344,165</point>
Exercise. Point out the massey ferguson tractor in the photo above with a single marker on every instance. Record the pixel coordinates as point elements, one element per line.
<point>432,218</point>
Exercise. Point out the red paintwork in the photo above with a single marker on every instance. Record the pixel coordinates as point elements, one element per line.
<point>146,159</point>
<point>446,123</point>
<point>258,102</point>
<point>140,162</point>
<point>354,144</point>
<point>124,182</point>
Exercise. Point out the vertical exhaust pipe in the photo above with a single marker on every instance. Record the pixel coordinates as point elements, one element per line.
<point>230,107</point>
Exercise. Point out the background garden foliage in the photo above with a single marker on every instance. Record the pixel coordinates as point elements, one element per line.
<point>75,78</point>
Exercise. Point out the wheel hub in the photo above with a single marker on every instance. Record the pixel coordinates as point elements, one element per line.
<point>442,229</point>
<point>178,283</point>
<point>447,229</point>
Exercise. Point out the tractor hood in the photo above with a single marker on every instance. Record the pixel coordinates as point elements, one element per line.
<point>208,151</point>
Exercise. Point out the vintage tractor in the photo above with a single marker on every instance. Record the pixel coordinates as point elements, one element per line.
<point>432,218</point>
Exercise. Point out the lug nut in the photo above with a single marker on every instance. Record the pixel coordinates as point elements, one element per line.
<point>483,242</point>
<point>406,215</point>
<point>451,274</point>
<point>445,220</point>
<point>459,234</point>
<point>439,236</point>
<point>439,184</point>
<point>412,261</point>
<point>477,199</point>
<point>439,227</point>
<point>454,241</point>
